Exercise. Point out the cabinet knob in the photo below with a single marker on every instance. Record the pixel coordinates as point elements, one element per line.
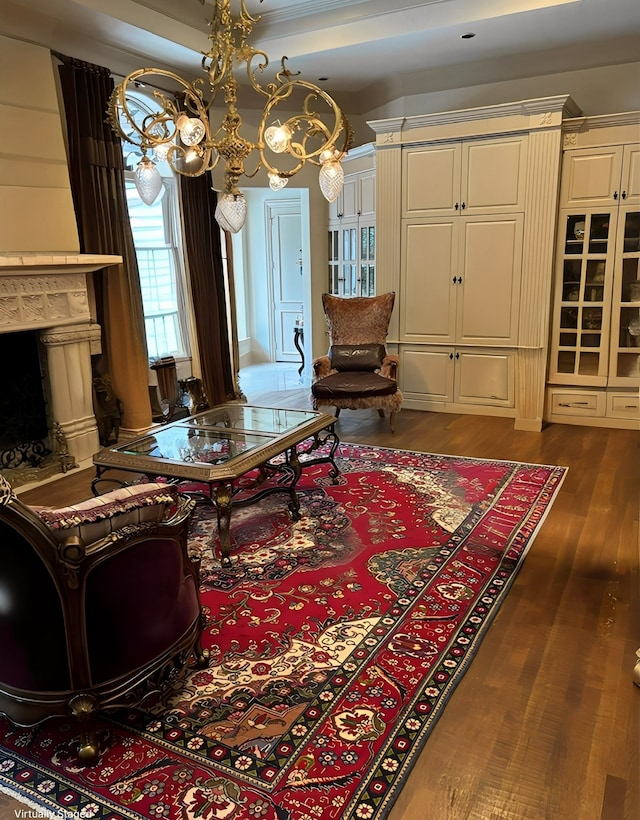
<point>624,194</point>
<point>464,205</point>
<point>456,206</point>
<point>451,356</point>
<point>459,280</point>
<point>615,194</point>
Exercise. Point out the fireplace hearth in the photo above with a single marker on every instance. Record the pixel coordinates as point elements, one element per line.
<point>48,336</point>
<point>23,411</point>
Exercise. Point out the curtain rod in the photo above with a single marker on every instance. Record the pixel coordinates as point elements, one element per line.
<point>146,84</point>
<point>98,69</point>
<point>76,63</point>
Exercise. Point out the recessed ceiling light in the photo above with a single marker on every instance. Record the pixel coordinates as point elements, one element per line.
<point>468,36</point>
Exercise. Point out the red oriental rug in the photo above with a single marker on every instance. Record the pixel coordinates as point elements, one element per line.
<point>335,643</point>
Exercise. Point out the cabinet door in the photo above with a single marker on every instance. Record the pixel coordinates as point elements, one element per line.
<point>582,309</point>
<point>348,208</point>
<point>431,180</point>
<point>333,256</point>
<point>484,377</point>
<point>367,259</point>
<point>488,279</point>
<point>427,373</point>
<point>630,184</point>
<point>591,177</point>
<point>624,365</point>
<point>427,282</point>
<point>348,278</point>
<point>493,175</point>
<point>367,194</point>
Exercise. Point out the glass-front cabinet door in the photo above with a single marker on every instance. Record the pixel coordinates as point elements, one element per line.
<point>625,311</point>
<point>349,276</point>
<point>583,299</point>
<point>367,279</point>
<point>352,259</point>
<point>334,260</point>
<point>596,325</point>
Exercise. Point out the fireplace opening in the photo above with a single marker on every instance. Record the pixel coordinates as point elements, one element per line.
<point>24,425</point>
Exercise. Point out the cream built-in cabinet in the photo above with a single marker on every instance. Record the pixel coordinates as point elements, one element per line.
<point>592,177</point>
<point>466,215</point>
<point>464,178</point>
<point>352,228</point>
<point>469,271</point>
<point>594,365</point>
<point>461,253</point>
<point>458,375</point>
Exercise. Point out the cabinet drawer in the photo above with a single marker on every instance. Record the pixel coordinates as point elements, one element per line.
<point>577,403</point>
<point>623,405</point>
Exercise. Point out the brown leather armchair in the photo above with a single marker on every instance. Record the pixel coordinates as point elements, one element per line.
<point>99,604</point>
<point>357,372</point>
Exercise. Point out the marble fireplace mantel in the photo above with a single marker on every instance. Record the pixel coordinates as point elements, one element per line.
<point>44,290</point>
<point>48,293</point>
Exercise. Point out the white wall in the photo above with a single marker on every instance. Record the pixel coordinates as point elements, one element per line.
<point>608,90</point>
<point>36,208</point>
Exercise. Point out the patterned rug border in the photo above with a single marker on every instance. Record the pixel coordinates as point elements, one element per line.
<point>453,683</point>
<point>469,657</point>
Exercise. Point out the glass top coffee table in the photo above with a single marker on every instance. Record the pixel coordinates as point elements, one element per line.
<point>220,446</point>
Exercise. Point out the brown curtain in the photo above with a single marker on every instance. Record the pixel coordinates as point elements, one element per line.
<point>97,185</point>
<point>206,270</point>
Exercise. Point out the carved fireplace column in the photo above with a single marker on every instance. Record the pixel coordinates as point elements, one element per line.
<point>68,364</point>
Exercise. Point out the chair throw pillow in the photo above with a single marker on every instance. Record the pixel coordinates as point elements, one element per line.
<point>96,517</point>
<point>356,357</point>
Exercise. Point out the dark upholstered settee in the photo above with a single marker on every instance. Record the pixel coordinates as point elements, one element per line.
<point>99,604</point>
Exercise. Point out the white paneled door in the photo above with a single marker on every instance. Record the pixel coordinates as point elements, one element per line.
<point>287,276</point>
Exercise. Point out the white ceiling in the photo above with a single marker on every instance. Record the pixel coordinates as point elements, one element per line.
<point>370,51</point>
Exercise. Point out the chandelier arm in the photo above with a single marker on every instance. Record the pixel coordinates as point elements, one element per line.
<point>178,160</point>
<point>273,169</point>
<point>267,90</point>
<point>145,134</point>
<point>314,126</point>
<point>345,145</point>
<point>260,165</point>
<point>217,69</point>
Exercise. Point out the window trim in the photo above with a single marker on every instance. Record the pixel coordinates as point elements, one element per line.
<point>173,239</point>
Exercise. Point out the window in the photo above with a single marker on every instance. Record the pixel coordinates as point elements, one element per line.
<point>156,237</point>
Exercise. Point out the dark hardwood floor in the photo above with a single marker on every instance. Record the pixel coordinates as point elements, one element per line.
<point>545,724</point>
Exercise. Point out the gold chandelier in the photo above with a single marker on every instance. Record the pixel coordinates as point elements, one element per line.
<point>180,130</point>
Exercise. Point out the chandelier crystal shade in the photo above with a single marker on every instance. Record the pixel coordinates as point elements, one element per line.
<point>183,130</point>
<point>148,181</point>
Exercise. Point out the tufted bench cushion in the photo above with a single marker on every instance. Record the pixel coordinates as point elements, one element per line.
<point>353,384</point>
<point>96,517</point>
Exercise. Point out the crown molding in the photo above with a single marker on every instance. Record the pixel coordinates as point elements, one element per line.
<point>601,121</point>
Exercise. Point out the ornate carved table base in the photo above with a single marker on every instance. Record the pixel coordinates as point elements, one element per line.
<point>231,454</point>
